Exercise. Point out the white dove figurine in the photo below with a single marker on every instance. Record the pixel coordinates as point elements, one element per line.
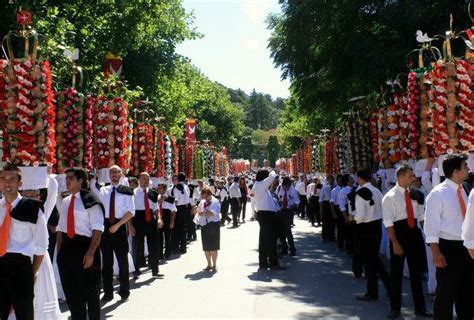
<point>72,55</point>
<point>422,38</point>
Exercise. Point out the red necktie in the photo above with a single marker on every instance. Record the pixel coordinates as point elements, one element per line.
<point>70,218</point>
<point>5,229</point>
<point>147,206</point>
<point>410,213</point>
<point>112,207</point>
<point>461,202</point>
<point>285,200</point>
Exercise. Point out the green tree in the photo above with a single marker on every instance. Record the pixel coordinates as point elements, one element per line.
<point>273,149</point>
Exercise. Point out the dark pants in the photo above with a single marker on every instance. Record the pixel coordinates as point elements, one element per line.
<point>369,236</point>
<point>454,282</point>
<point>286,238</point>
<point>179,230</point>
<point>81,286</point>
<point>164,235</point>
<point>150,231</point>
<point>412,242</point>
<point>235,210</point>
<point>243,207</point>
<point>190,227</point>
<point>302,206</point>
<point>51,243</point>
<point>355,250</point>
<point>314,214</point>
<point>115,243</point>
<point>16,286</point>
<point>341,228</point>
<point>225,211</point>
<point>329,231</point>
<point>267,253</point>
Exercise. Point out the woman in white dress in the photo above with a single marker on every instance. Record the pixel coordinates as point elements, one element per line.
<point>46,306</point>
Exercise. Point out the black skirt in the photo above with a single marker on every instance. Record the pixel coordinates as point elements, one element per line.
<point>211,236</point>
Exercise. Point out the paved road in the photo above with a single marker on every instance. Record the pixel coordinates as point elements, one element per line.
<point>317,285</point>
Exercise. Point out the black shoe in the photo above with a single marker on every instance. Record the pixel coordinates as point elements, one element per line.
<point>424,314</point>
<point>366,297</point>
<point>263,266</point>
<point>284,253</point>
<point>276,268</point>
<point>157,275</point>
<point>106,298</point>
<point>136,277</point>
<point>123,299</point>
<point>394,315</point>
<point>293,252</point>
<point>182,251</point>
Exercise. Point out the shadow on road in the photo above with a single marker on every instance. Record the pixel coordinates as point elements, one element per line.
<point>203,274</point>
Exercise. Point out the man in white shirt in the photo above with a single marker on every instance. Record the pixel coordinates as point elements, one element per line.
<point>312,193</point>
<point>234,194</point>
<point>336,213</point>
<point>266,216</point>
<point>328,232</point>
<point>403,209</point>
<point>181,194</point>
<point>223,196</point>
<point>80,227</point>
<point>167,212</point>
<point>23,244</point>
<point>289,201</point>
<point>368,216</point>
<point>343,213</point>
<point>445,211</point>
<point>146,223</point>
<point>119,209</point>
<point>301,189</point>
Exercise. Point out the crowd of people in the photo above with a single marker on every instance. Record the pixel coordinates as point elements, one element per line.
<point>69,245</point>
<point>423,224</point>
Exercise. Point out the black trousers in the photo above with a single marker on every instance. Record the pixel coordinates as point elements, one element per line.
<point>286,238</point>
<point>357,265</point>
<point>179,231</point>
<point>243,207</point>
<point>235,210</point>
<point>455,285</point>
<point>190,227</point>
<point>150,231</point>
<point>369,236</point>
<point>314,212</point>
<point>16,286</point>
<point>341,226</point>
<point>225,211</point>
<point>303,205</point>
<point>81,286</point>
<point>115,243</point>
<point>329,226</point>
<point>412,242</point>
<point>267,253</point>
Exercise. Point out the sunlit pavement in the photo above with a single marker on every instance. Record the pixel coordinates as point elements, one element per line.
<point>317,285</point>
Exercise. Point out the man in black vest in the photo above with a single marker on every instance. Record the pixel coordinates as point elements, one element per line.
<point>23,243</point>
<point>119,209</point>
<point>146,222</point>
<point>79,230</point>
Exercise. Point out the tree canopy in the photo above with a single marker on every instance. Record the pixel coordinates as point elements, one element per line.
<point>333,50</point>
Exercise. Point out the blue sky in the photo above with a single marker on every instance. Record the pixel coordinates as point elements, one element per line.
<point>234,50</point>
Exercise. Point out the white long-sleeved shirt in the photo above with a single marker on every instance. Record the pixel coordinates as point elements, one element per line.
<point>394,207</point>
<point>334,193</point>
<point>292,196</point>
<point>139,197</point>
<point>325,194</point>
<point>214,207</point>
<point>342,201</point>
<point>443,217</point>
<point>468,224</point>
<point>310,190</point>
<point>301,188</point>
<point>364,212</point>
<point>26,238</point>
<point>52,197</point>
<point>263,198</point>
<point>123,203</point>
<point>85,220</point>
<point>181,197</point>
<point>234,191</point>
